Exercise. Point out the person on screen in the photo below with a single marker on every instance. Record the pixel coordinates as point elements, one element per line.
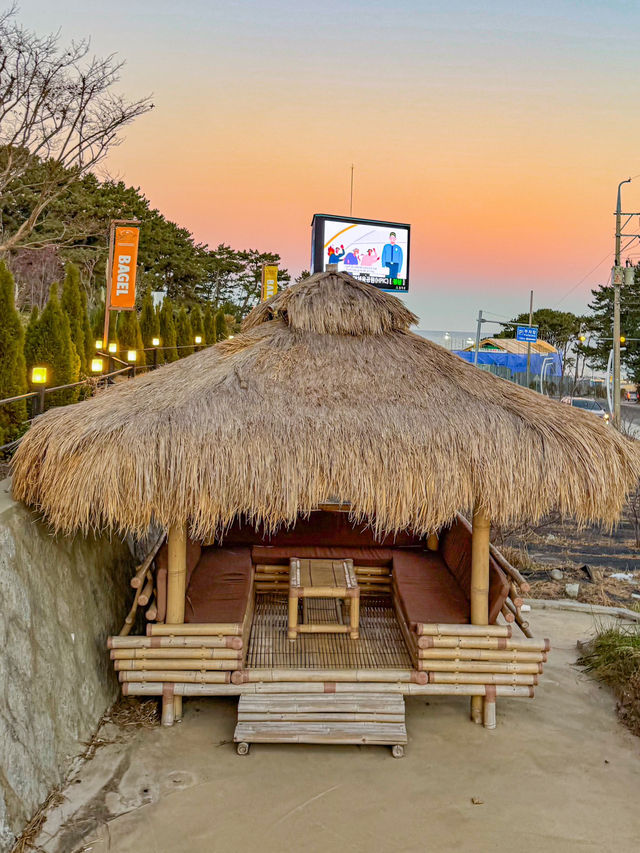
<point>334,257</point>
<point>353,257</point>
<point>370,259</point>
<point>392,256</point>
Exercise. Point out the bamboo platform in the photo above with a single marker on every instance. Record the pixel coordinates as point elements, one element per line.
<point>380,646</point>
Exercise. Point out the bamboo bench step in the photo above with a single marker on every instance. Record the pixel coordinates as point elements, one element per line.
<point>347,718</point>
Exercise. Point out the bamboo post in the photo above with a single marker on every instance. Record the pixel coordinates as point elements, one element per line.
<point>176,588</point>
<point>479,585</point>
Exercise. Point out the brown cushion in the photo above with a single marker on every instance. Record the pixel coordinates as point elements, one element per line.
<point>455,547</point>
<point>367,556</point>
<point>220,586</point>
<point>328,528</point>
<point>426,589</point>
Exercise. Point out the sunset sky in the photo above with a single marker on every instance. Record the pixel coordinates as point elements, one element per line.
<point>499,130</point>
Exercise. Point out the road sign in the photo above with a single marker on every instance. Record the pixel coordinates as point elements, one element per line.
<point>528,334</point>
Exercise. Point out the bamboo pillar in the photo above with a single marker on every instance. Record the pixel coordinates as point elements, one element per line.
<point>479,585</point>
<point>176,588</point>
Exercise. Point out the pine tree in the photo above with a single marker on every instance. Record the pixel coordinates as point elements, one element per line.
<point>50,345</point>
<point>72,306</point>
<point>209,326</point>
<point>220,326</point>
<point>184,335</point>
<point>197,324</point>
<point>13,374</point>
<point>168,332</point>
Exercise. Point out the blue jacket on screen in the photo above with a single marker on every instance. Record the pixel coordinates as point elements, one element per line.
<point>392,254</point>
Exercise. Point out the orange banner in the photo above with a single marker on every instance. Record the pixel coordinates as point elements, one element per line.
<point>123,268</point>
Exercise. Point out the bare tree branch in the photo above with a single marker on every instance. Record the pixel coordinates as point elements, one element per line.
<point>57,106</point>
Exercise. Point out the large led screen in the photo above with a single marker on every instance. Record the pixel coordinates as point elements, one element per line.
<point>372,251</point>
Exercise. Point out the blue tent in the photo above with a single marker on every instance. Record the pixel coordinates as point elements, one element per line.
<point>516,362</point>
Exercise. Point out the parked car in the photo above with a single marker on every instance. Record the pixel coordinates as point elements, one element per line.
<point>589,405</point>
<point>630,396</point>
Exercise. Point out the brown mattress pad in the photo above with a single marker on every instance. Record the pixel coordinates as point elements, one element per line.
<point>220,586</point>
<point>426,589</point>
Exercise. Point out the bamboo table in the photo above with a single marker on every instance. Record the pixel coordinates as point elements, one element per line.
<point>323,579</point>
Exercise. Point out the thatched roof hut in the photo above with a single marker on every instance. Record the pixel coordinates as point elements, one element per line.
<point>326,393</point>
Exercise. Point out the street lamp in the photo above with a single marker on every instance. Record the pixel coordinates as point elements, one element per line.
<point>98,343</point>
<point>132,356</point>
<point>155,342</point>
<point>113,348</point>
<point>96,365</point>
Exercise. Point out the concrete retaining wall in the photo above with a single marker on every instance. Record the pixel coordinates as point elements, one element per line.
<point>59,599</point>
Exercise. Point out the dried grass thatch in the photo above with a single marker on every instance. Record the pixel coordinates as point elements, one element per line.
<point>326,393</point>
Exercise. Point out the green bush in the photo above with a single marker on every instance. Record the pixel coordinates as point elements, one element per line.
<point>13,373</point>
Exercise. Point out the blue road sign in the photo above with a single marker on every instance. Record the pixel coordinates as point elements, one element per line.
<point>528,334</point>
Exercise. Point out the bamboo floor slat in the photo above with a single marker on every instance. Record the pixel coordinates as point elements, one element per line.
<point>381,645</point>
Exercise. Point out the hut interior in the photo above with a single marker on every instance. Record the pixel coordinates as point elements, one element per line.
<point>415,629</point>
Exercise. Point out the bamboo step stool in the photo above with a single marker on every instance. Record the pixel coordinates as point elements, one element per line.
<point>316,578</point>
<point>338,718</point>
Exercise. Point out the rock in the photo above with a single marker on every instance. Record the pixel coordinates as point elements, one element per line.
<point>556,575</point>
<point>572,590</point>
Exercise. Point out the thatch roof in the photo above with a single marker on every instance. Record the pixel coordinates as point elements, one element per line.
<point>326,393</point>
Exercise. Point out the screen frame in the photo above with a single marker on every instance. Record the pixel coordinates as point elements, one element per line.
<point>317,245</point>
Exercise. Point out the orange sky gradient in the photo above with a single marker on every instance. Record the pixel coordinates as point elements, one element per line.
<point>498,131</point>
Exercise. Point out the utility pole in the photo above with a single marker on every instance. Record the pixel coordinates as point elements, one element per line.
<point>617,281</point>
<point>529,342</point>
<point>478,333</point>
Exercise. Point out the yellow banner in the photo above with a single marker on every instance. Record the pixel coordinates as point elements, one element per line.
<point>123,268</point>
<point>269,281</point>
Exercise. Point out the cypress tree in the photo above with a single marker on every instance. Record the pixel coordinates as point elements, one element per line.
<point>13,373</point>
<point>149,323</point>
<point>129,336</point>
<point>220,326</point>
<point>209,326</point>
<point>89,340</point>
<point>197,324</point>
<point>168,332</point>
<point>184,335</point>
<point>72,306</point>
<point>31,337</point>
<point>53,348</point>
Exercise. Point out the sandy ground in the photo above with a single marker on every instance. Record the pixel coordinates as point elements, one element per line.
<point>559,773</point>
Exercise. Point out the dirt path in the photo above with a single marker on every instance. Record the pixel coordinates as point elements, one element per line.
<point>559,774</point>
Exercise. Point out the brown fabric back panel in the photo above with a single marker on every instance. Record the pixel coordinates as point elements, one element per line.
<point>455,547</point>
<point>426,589</point>
<point>328,528</point>
<point>274,554</point>
<point>220,585</point>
